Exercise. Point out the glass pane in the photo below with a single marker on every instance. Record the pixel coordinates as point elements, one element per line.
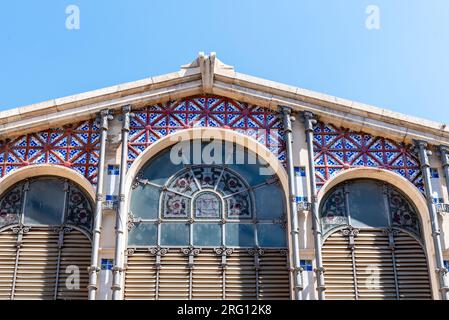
<point>79,210</point>
<point>11,206</point>
<point>270,202</point>
<point>145,202</point>
<point>174,234</point>
<point>239,235</point>
<point>143,235</point>
<point>367,204</point>
<point>239,206</point>
<point>333,211</point>
<point>161,168</point>
<point>207,234</point>
<point>207,205</point>
<point>45,202</point>
<point>271,235</point>
<point>175,205</point>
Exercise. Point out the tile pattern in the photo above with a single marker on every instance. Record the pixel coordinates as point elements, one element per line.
<point>337,149</point>
<point>154,122</point>
<point>74,146</point>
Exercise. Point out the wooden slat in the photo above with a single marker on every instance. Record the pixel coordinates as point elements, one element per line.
<point>36,273</point>
<point>273,276</point>
<point>174,276</point>
<point>140,276</point>
<point>207,276</point>
<point>8,251</point>
<point>75,256</point>
<point>337,261</point>
<point>240,276</point>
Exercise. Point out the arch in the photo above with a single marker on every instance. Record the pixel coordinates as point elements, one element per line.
<point>47,170</point>
<point>408,189</point>
<point>242,255</point>
<point>50,238</point>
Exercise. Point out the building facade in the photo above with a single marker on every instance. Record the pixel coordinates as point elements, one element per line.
<point>210,184</point>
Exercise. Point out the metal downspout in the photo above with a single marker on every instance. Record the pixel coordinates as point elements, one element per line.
<point>296,269</point>
<point>421,148</point>
<point>94,269</point>
<point>309,121</point>
<point>121,214</point>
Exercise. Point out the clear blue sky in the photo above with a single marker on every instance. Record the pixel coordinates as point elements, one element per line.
<point>321,45</point>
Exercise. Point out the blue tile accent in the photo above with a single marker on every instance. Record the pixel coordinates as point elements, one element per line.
<point>107,264</point>
<point>306,265</point>
<point>301,199</point>
<point>300,171</point>
<point>434,173</point>
<point>113,170</point>
<point>446,264</point>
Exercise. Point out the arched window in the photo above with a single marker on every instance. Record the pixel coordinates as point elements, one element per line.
<point>373,247</point>
<point>225,204</point>
<point>45,226</point>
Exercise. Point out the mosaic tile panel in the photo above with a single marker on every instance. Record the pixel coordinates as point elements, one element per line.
<point>337,149</point>
<point>74,146</point>
<point>151,123</point>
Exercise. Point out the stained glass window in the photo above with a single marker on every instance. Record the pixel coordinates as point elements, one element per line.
<point>46,200</point>
<point>207,203</point>
<point>365,203</point>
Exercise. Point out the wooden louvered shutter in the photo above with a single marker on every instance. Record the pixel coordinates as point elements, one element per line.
<point>374,265</point>
<point>240,276</point>
<point>273,275</point>
<point>384,264</point>
<point>412,269</point>
<point>337,261</point>
<point>37,265</point>
<point>174,276</point>
<point>141,276</point>
<point>76,251</point>
<point>207,276</point>
<point>8,250</point>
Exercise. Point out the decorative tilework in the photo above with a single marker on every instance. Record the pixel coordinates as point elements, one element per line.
<point>337,149</point>
<point>306,265</point>
<point>73,146</point>
<point>107,264</point>
<point>154,122</point>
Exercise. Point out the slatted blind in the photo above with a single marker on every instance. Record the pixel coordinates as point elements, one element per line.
<point>273,276</point>
<point>33,270</point>
<point>141,276</point>
<point>380,266</point>
<point>207,276</point>
<point>8,252</point>
<point>174,276</point>
<point>207,279</point>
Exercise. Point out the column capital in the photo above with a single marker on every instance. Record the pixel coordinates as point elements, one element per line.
<point>105,116</point>
<point>126,108</point>
<point>444,154</point>
<point>309,120</point>
<point>285,110</point>
<point>420,143</point>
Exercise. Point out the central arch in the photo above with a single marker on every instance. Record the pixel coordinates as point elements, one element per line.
<point>227,255</point>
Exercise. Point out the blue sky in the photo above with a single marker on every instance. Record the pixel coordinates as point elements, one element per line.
<point>320,45</point>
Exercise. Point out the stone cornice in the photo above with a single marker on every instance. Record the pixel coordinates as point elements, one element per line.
<point>207,74</point>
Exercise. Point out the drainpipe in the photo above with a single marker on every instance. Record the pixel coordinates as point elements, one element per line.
<point>117,271</point>
<point>444,154</point>
<point>297,276</point>
<point>93,269</point>
<point>309,121</point>
<point>421,148</point>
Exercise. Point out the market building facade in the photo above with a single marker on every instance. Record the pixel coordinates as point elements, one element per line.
<point>210,184</point>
